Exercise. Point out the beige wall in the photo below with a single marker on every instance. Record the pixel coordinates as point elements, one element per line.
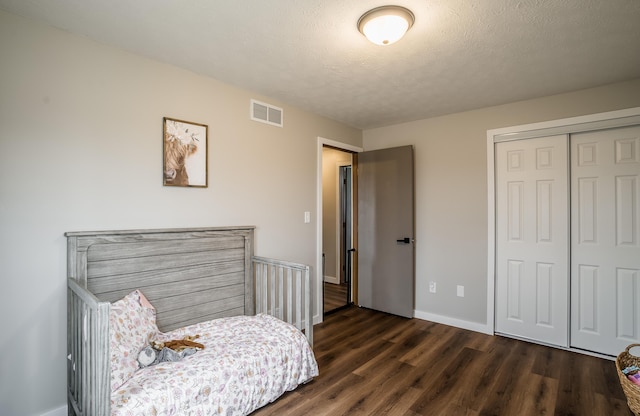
<point>81,149</point>
<point>451,192</point>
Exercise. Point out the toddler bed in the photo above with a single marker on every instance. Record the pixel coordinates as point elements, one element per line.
<point>127,287</point>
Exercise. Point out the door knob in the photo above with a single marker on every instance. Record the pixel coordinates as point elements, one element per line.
<point>405,240</point>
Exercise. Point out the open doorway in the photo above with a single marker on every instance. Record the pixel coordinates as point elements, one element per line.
<point>337,229</point>
<point>395,241</point>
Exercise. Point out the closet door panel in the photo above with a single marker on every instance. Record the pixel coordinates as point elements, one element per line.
<point>628,285</point>
<point>532,239</point>
<point>587,307</point>
<point>605,250</point>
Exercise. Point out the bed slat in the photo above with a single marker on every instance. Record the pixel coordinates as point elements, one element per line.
<point>277,280</point>
<point>133,249</point>
<point>203,276</point>
<point>114,267</point>
<point>88,368</point>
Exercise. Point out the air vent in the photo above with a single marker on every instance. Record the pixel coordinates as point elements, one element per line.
<point>266,113</point>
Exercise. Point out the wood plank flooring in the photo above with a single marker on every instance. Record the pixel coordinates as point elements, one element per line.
<point>335,296</point>
<point>373,363</point>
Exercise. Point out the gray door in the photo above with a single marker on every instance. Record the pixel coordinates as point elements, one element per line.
<point>385,230</point>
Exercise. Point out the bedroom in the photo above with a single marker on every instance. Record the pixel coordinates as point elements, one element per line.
<point>80,150</point>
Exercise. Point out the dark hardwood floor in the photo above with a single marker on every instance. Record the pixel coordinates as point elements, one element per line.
<point>335,296</point>
<point>373,363</point>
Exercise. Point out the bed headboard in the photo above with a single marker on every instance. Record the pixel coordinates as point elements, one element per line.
<point>189,274</point>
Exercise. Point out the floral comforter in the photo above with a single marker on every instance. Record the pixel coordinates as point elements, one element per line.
<point>248,362</point>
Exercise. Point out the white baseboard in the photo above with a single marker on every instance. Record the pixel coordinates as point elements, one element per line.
<point>458,323</point>
<point>332,279</point>
<point>61,411</point>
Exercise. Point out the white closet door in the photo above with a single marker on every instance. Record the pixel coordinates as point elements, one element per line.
<point>532,233</point>
<point>605,276</point>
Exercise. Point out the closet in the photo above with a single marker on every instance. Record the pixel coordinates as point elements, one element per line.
<point>567,235</point>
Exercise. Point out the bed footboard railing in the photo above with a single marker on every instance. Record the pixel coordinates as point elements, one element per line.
<point>283,289</point>
<point>88,368</point>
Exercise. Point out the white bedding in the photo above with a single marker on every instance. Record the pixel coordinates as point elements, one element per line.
<point>248,362</point>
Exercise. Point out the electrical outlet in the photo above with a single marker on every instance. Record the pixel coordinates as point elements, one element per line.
<point>461,291</point>
<point>432,287</point>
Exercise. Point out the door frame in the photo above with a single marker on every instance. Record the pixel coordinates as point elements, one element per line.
<point>321,142</point>
<point>591,122</point>
<point>344,238</point>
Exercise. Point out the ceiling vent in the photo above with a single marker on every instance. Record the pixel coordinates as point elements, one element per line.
<point>266,113</point>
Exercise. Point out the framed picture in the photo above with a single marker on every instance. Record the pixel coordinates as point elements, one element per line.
<point>185,153</point>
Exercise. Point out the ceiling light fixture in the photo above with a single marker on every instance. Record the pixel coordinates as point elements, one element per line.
<point>386,24</point>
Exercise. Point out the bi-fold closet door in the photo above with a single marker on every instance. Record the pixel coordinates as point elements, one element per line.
<point>605,246</point>
<point>567,239</point>
<point>532,245</point>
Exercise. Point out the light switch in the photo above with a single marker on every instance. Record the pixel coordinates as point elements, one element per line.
<point>307,217</point>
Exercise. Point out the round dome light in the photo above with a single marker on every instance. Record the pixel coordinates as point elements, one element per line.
<point>386,25</point>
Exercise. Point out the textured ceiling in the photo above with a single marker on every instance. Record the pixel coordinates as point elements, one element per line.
<point>459,55</point>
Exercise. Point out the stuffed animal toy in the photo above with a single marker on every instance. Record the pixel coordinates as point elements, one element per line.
<point>174,350</point>
<point>147,356</point>
<point>179,344</point>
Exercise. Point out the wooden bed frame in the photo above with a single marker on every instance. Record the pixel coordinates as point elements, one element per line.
<point>189,275</point>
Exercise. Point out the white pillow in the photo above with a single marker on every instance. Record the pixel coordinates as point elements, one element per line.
<point>132,325</point>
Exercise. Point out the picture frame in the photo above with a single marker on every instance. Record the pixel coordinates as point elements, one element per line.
<point>185,153</point>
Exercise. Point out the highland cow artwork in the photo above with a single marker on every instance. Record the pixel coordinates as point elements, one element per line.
<point>185,153</point>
